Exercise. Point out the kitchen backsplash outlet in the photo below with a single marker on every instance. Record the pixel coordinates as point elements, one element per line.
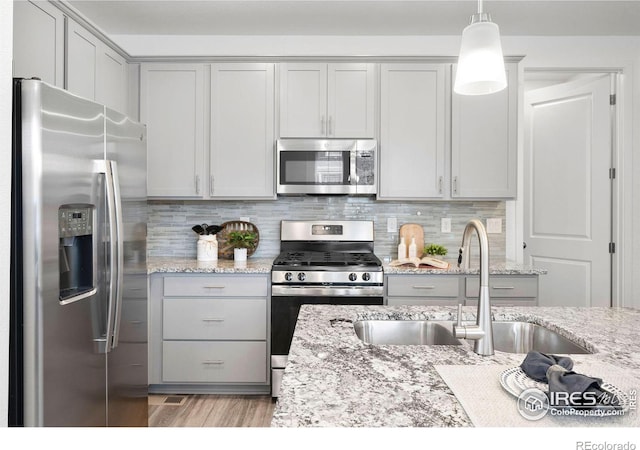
<point>169,228</point>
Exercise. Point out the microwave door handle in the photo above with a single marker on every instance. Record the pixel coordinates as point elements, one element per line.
<point>353,174</point>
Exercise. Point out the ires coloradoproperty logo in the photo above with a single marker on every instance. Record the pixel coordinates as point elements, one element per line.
<point>534,404</point>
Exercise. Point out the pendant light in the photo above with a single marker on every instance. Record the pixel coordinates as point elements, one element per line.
<point>480,63</point>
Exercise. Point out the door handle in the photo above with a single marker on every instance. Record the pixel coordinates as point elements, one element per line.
<point>524,245</point>
<point>120,253</point>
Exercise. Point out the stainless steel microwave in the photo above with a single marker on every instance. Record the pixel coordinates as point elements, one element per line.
<point>326,166</point>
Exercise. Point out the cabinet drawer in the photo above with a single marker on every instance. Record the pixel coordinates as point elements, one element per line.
<point>218,286</point>
<point>214,318</point>
<point>422,301</point>
<point>509,286</point>
<point>422,286</point>
<point>133,325</point>
<point>214,362</point>
<point>518,301</point>
<point>135,286</point>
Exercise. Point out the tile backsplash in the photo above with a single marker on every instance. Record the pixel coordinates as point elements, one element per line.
<point>169,227</point>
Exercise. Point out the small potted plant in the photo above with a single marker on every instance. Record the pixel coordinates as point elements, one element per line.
<point>435,249</point>
<point>241,241</point>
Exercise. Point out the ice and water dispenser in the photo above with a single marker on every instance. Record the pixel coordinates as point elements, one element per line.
<point>76,252</point>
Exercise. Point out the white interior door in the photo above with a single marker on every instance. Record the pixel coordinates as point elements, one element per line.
<point>567,198</point>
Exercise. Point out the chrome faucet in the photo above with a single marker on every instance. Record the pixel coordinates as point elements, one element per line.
<point>482,331</point>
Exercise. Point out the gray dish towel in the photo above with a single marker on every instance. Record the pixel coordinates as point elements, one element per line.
<point>566,387</point>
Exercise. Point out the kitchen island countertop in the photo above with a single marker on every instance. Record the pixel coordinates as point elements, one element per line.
<point>333,379</point>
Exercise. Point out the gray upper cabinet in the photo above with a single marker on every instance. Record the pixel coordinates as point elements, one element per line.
<point>327,100</point>
<point>94,70</point>
<point>412,131</point>
<point>74,59</point>
<point>172,104</point>
<point>242,131</point>
<point>82,61</point>
<point>484,142</point>
<point>38,42</point>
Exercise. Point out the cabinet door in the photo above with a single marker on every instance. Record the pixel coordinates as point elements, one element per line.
<point>303,100</point>
<point>82,61</point>
<point>484,142</point>
<point>350,100</point>
<point>172,106</point>
<point>111,81</point>
<point>38,42</point>
<point>242,102</point>
<point>412,131</point>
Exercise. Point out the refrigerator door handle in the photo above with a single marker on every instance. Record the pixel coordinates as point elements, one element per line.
<point>105,167</point>
<point>119,260</point>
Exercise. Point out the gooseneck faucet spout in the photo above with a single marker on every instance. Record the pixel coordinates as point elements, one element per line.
<point>482,331</point>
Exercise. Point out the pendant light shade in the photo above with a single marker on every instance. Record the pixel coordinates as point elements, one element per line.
<point>480,63</point>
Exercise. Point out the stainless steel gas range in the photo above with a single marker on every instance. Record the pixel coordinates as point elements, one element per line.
<point>321,262</point>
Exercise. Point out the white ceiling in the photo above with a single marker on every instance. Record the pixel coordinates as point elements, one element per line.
<point>359,17</point>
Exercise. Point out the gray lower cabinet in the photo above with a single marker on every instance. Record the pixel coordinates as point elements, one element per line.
<point>435,290</point>
<point>453,289</point>
<point>505,290</point>
<point>209,333</point>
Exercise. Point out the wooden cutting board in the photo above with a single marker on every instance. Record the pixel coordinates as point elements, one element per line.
<point>409,230</point>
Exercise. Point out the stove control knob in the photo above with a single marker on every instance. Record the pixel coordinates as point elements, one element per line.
<point>366,276</point>
<point>288,276</point>
<point>301,276</point>
<point>353,277</point>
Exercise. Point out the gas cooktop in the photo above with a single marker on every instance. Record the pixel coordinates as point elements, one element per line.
<point>331,258</point>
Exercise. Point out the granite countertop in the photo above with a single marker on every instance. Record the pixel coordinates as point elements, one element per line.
<point>333,379</point>
<point>169,264</point>
<point>497,269</point>
<point>191,265</point>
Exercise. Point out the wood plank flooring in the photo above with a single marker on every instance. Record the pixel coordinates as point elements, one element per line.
<point>211,411</point>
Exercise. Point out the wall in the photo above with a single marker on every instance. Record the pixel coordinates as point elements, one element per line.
<point>6,51</point>
<point>169,227</point>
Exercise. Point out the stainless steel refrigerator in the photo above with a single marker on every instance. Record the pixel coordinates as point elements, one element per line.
<point>78,328</point>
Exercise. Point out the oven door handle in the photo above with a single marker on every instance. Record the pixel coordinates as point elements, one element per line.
<point>319,291</point>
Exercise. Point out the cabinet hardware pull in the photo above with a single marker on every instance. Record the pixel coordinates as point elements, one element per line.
<point>455,185</point>
<point>213,319</point>
<point>424,287</point>
<point>324,131</point>
<point>213,287</point>
<point>197,184</point>
<point>329,127</point>
<point>440,185</point>
<point>135,365</point>
<point>503,287</point>
<point>215,362</point>
<point>211,185</point>
<point>136,322</point>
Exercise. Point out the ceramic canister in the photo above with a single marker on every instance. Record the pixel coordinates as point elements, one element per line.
<point>207,248</point>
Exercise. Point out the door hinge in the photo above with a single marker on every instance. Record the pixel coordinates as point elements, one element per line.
<point>612,99</point>
<point>612,247</point>
<point>612,173</point>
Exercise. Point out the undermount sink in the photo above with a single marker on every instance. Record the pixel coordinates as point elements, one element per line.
<point>405,332</point>
<point>508,337</point>
<point>523,337</point>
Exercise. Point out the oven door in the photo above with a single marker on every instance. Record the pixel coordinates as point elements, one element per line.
<point>284,314</point>
<point>313,171</point>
